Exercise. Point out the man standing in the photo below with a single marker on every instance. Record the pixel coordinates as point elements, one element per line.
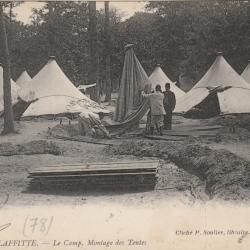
<point>157,109</point>
<point>169,103</point>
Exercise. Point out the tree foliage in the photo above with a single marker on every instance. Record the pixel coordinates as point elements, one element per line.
<point>182,36</point>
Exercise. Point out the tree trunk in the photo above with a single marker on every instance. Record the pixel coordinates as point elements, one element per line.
<point>93,52</point>
<point>8,112</point>
<point>10,28</point>
<point>107,53</point>
<point>50,32</point>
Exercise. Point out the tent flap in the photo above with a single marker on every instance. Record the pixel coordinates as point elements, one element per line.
<point>133,82</point>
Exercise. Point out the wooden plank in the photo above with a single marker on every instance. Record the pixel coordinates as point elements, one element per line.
<point>112,181</point>
<point>85,139</point>
<point>45,170</point>
<point>102,180</point>
<point>188,133</point>
<point>172,138</point>
<point>92,175</point>
<point>49,185</point>
<point>90,171</point>
<point>110,163</point>
<point>196,128</point>
<point>98,166</point>
<point>67,173</point>
<point>97,177</point>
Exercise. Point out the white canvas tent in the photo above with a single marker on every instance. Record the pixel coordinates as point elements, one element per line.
<point>232,91</point>
<point>246,73</point>
<point>23,79</point>
<point>14,91</point>
<point>53,93</point>
<point>159,77</point>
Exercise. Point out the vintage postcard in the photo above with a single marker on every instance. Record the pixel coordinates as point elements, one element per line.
<point>125,125</point>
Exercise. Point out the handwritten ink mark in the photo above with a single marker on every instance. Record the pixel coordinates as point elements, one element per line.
<point>40,225</point>
<point>5,226</point>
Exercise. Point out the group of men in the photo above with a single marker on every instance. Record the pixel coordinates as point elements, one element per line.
<point>162,105</point>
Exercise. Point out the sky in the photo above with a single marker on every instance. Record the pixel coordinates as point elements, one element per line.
<point>127,8</point>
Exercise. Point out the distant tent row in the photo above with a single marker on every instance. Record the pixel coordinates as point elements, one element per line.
<point>220,90</point>
<point>50,92</point>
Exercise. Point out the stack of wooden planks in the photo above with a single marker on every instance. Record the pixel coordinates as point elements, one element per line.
<point>93,176</point>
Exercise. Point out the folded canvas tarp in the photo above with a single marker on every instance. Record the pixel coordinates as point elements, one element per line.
<point>53,94</point>
<point>134,80</point>
<point>246,73</point>
<point>159,77</point>
<point>132,119</point>
<point>233,92</point>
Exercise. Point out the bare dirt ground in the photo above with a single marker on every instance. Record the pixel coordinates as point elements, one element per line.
<point>173,182</point>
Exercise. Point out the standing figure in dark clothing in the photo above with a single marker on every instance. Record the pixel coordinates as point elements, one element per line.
<point>169,103</point>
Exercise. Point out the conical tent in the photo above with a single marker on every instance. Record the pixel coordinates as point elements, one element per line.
<point>159,77</point>
<point>14,91</point>
<point>232,91</point>
<point>23,79</point>
<point>246,73</point>
<point>134,80</point>
<point>53,93</point>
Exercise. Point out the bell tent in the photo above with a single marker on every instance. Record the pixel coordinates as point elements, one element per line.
<point>246,73</point>
<point>53,93</point>
<point>133,82</point>
<point>14,91</point>
<point>159,77</point>
<point>220,90</point>
<point>23,79</point>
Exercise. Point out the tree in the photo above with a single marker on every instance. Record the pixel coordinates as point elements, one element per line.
<point>107,52</point>
<point>93,52</point>
<point>182,36</point>
<point>191,32</point>
<point>59,29</point>
<point>8,112</point>
<point>116,43</point>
